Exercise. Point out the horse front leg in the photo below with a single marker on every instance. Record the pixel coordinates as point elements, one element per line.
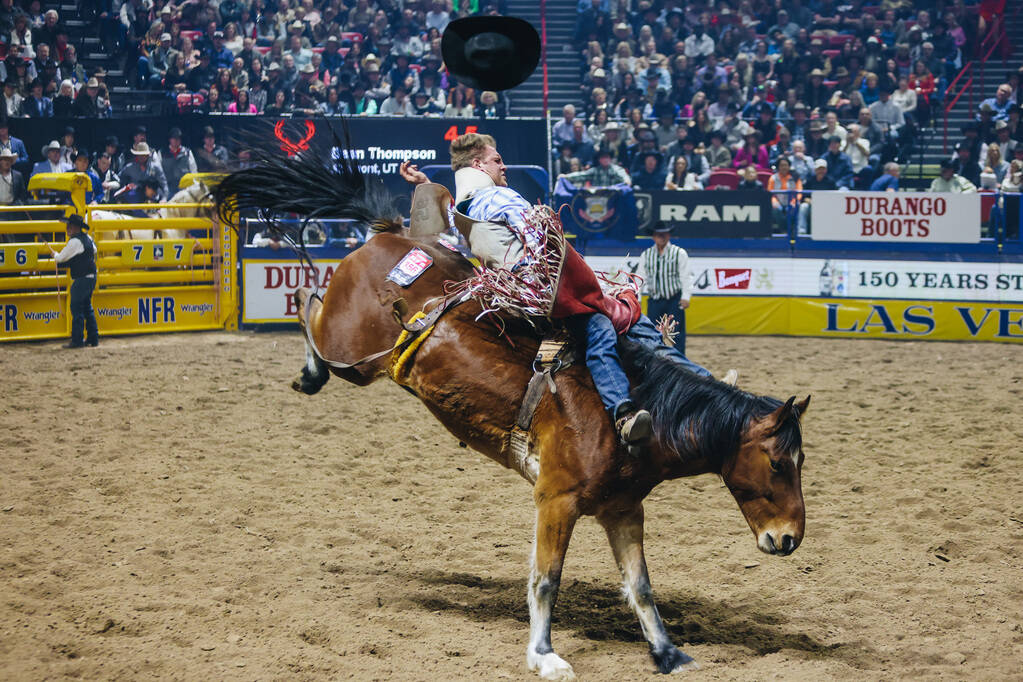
<point>555,520</point>
<point>314,373</point>
<point>625,533</point>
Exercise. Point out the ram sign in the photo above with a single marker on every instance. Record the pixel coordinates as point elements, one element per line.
<point>707,214</point>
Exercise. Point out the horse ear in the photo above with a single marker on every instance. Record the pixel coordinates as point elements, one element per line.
<point>802,405</point>
<point>779,416</point>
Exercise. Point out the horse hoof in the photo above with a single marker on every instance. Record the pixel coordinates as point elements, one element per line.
<point>306,383</point>
<point>551,667</point>
<point>675,661</point>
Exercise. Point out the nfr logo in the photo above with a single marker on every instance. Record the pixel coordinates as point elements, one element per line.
<point>9,315</point>
<point>151,309</point>
<point>157,251</point>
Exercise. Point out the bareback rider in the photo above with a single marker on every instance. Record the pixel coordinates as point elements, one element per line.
<point>497,237</point>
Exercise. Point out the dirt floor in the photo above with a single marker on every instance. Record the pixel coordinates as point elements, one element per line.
<point>172,509</point>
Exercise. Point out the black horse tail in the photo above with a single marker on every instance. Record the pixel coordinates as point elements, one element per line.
<point>308,185</point>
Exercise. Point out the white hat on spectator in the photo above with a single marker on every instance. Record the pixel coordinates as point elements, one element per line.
<point>7,153</point>
<point>274,66</point>
<point>53,145</point>
<point>165,36</point>
<point>308,68</point>
<point>92,83</point>
<point>140,149</point>
<point>820,163</point>
<point>599,73</point>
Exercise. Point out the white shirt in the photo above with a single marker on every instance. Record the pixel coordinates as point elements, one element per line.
<point>6,189</point>
<point>72,248</point>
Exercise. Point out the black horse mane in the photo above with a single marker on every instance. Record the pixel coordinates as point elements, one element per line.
<point>308,184</point>
<point>699,417</point>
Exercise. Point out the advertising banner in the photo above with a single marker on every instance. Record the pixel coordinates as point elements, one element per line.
<point>901,217</point>
<point>707,214</point>
<point>954,281</point>
<point>379,143</point>
<point>859,318</point>
<point>269,285</point>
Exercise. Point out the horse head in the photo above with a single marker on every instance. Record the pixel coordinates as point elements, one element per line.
<point>764,477</point>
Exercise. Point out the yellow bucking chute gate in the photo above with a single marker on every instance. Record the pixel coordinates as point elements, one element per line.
<point>175,272</point>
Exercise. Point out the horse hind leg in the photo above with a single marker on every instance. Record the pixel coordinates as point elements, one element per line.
<point>555,520</point>
<point>314,373</point>
<point>625,534</point>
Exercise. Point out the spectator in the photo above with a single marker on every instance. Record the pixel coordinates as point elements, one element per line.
<point>752,153</point>
<point>201,77</point>
<point>719,109</point>
<point>905,98</point>
<point>606,173</point>
<point>177,72</point>
<point>53,163</point>
<point>70,68</point>
<point>362,104</point>
<point>717,154</point>
<point>211,157</point>
<point>36,105</point>
<point>840,168</point>
<point>964,165</point>
<point>334,106</point>
<point>1003,138</point>
<point>398,104</point>
<point>891,119</point>
<point>88,103</point>
<point>858,151</point>
<point>820,182</point>
<point>562,130</point>
<point>651,172</point>
<point>64,102</point>
<point>459,105</point>
<point>13,190</point>
<point>655,74</point>
<point>734,128</point>
<point>176,160</point>
<point>949,181</point>
<point>422,104</point>
<point>68,148</point>
<point>109,181</point>
<point>562,164</point>
<point>832,128</point>
<point>1000,103</point>
<point>81,165</point>
<point>711,76</point>
<point>995,168</point>
<point>680,177</point>
<point>490,107</point>
<point>438,16</point>
<point>280,104</point>
<point>889,180</point>
<point>783,180</point>
<point>11,143</point>
<point>143,167</point>
<point>593,24</point>
<point>749,182</point>
<point>816,94</point>
<point>802,163</point>
<point>698,45</point>
<point>612,142</point>
<point>799,126</point>
<point>696,162</point>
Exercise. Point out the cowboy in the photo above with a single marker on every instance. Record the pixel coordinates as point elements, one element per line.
<point>79,256</point>
<point>53,162</point>
<point>500,234</point>
<point>143,167</point>
<point>8,141</point>
<point>12,183</point>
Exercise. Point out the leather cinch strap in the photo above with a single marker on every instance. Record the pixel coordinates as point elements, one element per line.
<point>552,356</point>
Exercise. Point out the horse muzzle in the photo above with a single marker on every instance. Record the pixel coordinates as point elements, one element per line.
<point>779,542</point>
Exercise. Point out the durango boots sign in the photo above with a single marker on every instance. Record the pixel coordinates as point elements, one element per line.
<point>904,217</point>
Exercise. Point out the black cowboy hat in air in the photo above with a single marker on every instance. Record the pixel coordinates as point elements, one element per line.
<point>491,52</point>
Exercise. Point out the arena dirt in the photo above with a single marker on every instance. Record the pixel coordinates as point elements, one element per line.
<point>171,509</point>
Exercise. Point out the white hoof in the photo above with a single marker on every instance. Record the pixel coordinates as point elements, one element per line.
<point>686,667</point>
<point>550,666</point>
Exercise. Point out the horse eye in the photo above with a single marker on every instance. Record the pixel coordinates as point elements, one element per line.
<point>776,465</point>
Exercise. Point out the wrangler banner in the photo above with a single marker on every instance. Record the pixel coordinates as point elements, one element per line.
<point>856,318</point>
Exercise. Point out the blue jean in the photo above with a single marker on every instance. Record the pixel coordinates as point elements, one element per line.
<point>602,353</point>
<point>83,319</point>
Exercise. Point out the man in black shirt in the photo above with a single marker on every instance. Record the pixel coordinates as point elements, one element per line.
<point>79,256</point>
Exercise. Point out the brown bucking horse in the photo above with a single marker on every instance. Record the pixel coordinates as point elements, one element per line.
<point>473,380</point>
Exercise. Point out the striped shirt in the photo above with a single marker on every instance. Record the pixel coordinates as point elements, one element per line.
<point>666,273</point>
<point>502,205</point>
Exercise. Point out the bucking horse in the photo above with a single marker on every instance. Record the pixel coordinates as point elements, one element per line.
<point>474,374</point>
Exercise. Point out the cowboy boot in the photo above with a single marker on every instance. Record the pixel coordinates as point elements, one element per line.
<point>633,426</point>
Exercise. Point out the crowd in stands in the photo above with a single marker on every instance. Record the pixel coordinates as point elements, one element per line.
<point>779,94</point>
<point>305,57</point>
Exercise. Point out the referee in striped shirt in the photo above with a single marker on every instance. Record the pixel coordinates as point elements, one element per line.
<point>667,281</point>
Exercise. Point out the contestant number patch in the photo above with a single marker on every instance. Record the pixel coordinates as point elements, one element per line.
<point>410,267</point>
